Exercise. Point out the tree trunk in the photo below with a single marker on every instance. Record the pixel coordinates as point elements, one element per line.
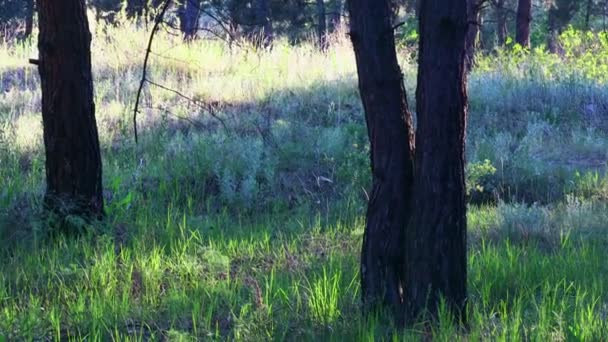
<point>501,22</point>
<point>335,17</point>
<point>474,13</point>
<point>436,260</point>
<point>189,13</point>
<point>73,161</point>
<point>321,25</point>
<point>559,16</point>
<point>29,18</point>
<point>264,22</point>
<point>524,17</point>
<point>135,8</point>
<point>588,14</point>
<point>390,131</point>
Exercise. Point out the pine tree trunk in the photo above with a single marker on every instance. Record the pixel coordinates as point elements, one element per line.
<point>263,20</point>
<point>524,17</point>
<point>335,17</point>
<point>135,8</point>
<point>73,162</point>
<point>321,25</point>
<point>436,260</point>
<point>29,18</point>
<point>501,22</point>
<point>390,131</point>
<point>189,12</point>
<point>473,32</point>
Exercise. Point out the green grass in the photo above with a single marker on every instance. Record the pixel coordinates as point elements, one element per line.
<point>252,231</point>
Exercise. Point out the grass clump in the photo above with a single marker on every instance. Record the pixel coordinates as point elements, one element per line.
<point>249,227</point>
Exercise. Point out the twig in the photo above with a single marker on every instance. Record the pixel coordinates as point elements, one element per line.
<point>159,18</point>
<point>200,104</point>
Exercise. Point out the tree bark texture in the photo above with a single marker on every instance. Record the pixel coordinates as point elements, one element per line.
<point>524,17</point>
<point>391,137</point>
<point>436,238</point>
<point>73,161</point>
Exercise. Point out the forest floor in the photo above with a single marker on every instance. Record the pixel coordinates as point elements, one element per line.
<point>239,215</point>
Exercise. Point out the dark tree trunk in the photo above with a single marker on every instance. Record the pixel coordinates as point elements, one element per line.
<point>335,17</point>
<point>524,17</point>
<point>73,162</point>
<point>135,8</point>
<point>588,14</point>
<point>502,31</point>
<point>29,18</point>
<point>474,13</point>
<point>189,13</point>
<point>436,261</point>
<point>321,25</point>
<point>264,22</point>
<point>390,131</point>
<point>559,16</point>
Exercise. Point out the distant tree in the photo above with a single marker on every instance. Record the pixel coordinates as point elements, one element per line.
<point>263,20</point>
<point>524,17</point>
<point>390,132</point>
<point>501,15</point>
<point>29,18</point>
<point>559,15</point>
<point>189,13</point>
<point>321,25</point>
<point>335,15</point>
<point>135,8</point>
<point>474,13</point>
<point>436,252</point>
<point>73,161</point>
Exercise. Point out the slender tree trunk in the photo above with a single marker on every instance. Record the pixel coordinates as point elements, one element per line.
<point>588,14</point>
<point>524,17</point>
<point>29,18</point>
<point>135,8</point>
<point>390,131</point>
<point>73,162</point>
<point>436,261</point>
<point>502,31</point>
<point>321,25</point>
<point>189,13</point>
<point>335,17</point>
<point>474,14</point>
<point>263,20</point>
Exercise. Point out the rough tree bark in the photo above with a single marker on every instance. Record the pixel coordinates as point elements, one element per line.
<point>436,238</point>
<point>189,13</point>
<point>524,17</point>
<point>73,161</point>
<point>390,131</point>
<point>321,25</point>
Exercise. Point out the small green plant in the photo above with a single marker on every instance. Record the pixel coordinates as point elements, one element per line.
<point>323,298</point>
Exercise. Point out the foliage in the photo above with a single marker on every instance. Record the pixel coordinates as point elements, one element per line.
<point>252,231</point>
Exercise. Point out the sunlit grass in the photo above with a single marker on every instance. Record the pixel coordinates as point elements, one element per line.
<point>252,231</point>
